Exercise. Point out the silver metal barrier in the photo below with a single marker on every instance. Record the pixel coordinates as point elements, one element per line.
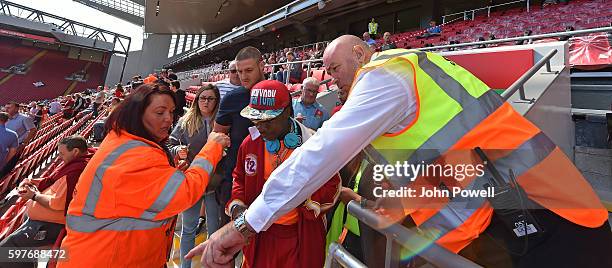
<point>339,257</point>
<point>398,235</point>
<point>472,12</point>
<point>519,38</point>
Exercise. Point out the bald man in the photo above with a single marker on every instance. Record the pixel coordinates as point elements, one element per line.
<point>382,110</point>
<point>360,121</point>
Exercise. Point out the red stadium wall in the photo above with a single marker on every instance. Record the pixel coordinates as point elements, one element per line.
<point>48,66</point>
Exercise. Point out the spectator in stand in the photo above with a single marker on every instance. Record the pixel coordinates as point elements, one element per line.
<point>119,93</point>
<point>23,126</point>
<point>179,99</point>
<point>233,83</point>
<point>295,70</point>
<point>368,40</point>
<point>163,78</point>
<point>525,42</point>
<point>318,53</point>
<point>98,127</point>
<point>433,30</point>
<point>307,110</point>
<point>387,44</point>
<point>135,79</point>
<point>79,104</point>
<point>8,143</point>
<point>49,199</point>
<point>480,39</point>
<point>567,37</point>
<point>250,70</point>
<point>100,99</point>
<point>54,107</point>
<point>188,138</point>
<point>38,116</point>
<point>68,107</point>
<point>143,187</point>
<point>32,109</point>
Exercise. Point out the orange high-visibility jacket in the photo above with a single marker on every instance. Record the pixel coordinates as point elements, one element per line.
<point>125,203</point>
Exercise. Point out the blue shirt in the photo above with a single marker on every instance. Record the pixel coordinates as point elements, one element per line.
<point>21,124</point>
<point>314,114</point>
<point>8,139</point>
<point>229,115</point>
<point>435,29</point>
<point>371,42</point>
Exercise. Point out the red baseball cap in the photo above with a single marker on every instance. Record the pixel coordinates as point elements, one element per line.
<point>269,98</point>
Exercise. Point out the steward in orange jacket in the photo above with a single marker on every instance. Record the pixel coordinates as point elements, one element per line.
<point>125,204</point>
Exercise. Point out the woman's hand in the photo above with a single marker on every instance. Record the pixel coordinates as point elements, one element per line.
<point>220,138</point>
<point>182,153</point>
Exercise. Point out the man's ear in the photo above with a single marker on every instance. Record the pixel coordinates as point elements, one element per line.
<point>360,54</point>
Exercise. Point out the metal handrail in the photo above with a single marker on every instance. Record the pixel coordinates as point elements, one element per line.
<point>339,256</point>
<point>434,254</point>
<point>488,8</point>
<point>293,62</point>
<point>520,83</point>
<point>539,36</point>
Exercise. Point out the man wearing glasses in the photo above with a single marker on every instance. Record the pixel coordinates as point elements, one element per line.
<point>226,86</point>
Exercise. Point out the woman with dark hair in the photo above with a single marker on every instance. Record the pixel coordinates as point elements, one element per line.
<point>127,199</point>
<point>188,138</point>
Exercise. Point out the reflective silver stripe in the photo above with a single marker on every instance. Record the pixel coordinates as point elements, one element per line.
<point>166,195</point>
<point>90,224</point>
<point>470,116</point>
<point>96,184</point>
<point>171,188</point>
<point>459,209</point>
<point>203,163</point>
<point>446,82</point>
<point>390,56</point>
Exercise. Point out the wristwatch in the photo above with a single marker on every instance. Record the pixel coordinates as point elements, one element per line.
<point>241,226</point>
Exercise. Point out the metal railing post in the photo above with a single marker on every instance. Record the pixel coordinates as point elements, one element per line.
<point>520,83</point>
<point>527,6</point>
<point>339,257</point>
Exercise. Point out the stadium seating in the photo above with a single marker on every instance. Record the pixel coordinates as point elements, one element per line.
<point>50,67</point>
<point>511,23</point>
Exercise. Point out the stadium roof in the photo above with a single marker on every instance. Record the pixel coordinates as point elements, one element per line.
<point>131,11</point>
<point>204,16</point>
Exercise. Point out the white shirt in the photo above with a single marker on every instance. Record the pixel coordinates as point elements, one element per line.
<point>225,86</point>
<point>381,102</point>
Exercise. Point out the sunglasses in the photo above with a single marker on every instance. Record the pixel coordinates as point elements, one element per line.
<point>233,71</point>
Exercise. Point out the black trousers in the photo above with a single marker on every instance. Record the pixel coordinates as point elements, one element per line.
<point>562,244</point>
<point>31,234</point>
